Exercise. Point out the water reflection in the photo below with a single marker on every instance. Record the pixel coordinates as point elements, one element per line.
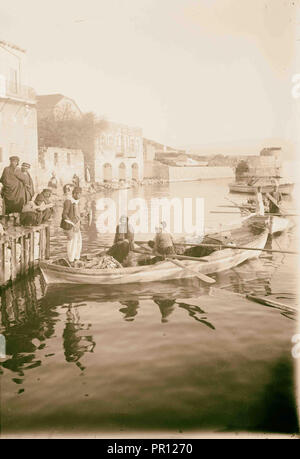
<point>75,344</point>
<point>26,326</point>
<point>196,313</point>
<point>130,311</point>
<point>166,307</point>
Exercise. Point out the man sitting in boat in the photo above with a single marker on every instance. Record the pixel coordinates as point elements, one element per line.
<point>163,242</point>
<point>124,240</point>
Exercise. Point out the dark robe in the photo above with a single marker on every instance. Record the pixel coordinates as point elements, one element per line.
<point>123,242</point>
<point>273,208</point>
<point>13,190</point>
<point>29,189</point>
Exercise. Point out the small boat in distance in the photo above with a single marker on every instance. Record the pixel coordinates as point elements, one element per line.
<point>285,187</point>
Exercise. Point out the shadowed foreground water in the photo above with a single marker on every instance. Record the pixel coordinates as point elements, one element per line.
<point>169,357</point>
<point>79,361</point>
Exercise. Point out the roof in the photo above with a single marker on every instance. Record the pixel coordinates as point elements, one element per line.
<point>49,100</point>
<point>12,45</point>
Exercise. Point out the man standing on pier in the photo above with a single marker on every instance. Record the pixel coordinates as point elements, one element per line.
<point>13,190</point>
<point>29,188</point>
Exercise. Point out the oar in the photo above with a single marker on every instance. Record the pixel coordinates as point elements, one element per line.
<point>282,215</point>
<point>233,202</point>
<point>224,212</point>
<point>201,276</point>
<point>224,246</point>
<point>239,207</point>
<point>272,303</point>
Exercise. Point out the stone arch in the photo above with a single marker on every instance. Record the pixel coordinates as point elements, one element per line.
<point>135,171</point>
<point>107,172</point>
<point>122,171</point>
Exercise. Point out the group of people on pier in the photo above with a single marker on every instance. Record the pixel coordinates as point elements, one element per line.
<point>19,195</point>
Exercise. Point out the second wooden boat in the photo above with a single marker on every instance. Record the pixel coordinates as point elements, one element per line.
<point>236,187</point>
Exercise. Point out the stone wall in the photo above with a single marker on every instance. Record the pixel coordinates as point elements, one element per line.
<point>199,173</point>
<point>64,162</point>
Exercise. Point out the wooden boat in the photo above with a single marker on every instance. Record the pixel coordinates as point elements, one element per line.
<point>278,224</point>
<point>165,270</point>
<point>284,188</point>
<point>275,224</point>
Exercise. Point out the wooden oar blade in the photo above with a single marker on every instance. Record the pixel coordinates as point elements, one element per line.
<point>201,276</point>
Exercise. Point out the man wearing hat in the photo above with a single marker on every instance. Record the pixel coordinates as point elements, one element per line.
<point>13,190</point>
<point>42,200</point>
<point>29,188</point>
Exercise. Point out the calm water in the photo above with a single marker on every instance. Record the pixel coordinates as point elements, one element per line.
<point>168,357</point>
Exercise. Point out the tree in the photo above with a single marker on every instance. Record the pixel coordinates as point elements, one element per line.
<point>67,131</point>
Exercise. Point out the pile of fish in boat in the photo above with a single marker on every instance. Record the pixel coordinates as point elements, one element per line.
<point>95,262</point>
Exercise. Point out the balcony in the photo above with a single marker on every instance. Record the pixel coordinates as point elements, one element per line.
<point>20,93</point>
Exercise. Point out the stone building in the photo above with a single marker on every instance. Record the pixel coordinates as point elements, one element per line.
<point>119,153</point>
<point>64,162</point>
<point>18,116</point>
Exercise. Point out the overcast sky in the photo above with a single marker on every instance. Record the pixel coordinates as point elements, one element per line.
<point>187,71</point>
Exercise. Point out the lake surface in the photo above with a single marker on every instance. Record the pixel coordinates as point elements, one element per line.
<point>171,357</point>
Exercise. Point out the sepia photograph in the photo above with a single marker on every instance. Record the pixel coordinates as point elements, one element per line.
<point>149,221</point>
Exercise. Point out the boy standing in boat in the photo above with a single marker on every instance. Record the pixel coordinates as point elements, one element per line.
<point>70,223</point>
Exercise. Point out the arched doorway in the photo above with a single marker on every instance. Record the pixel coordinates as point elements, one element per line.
<point>107,172</point>
<point>135,171</point>
<point>122,171</point>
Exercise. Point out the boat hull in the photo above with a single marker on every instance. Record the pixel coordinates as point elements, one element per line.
<point>278,224</point>
<point>284,188</point>
<point>217,261</point>
<point>275,224</point>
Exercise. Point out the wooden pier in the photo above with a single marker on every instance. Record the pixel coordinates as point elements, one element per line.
<point>21,249</point>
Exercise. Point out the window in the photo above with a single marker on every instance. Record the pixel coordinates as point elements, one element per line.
<point>132,144</point>
<point>69,159</point>
<point>55,159</point>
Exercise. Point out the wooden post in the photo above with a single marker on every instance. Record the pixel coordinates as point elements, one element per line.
<point>13,261</point>
<point>3,259</point>
<point>31,249</point>
<point>42,243</point>
<point>27,251</point>
<point>47,254</point>
<point>22,262</point>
